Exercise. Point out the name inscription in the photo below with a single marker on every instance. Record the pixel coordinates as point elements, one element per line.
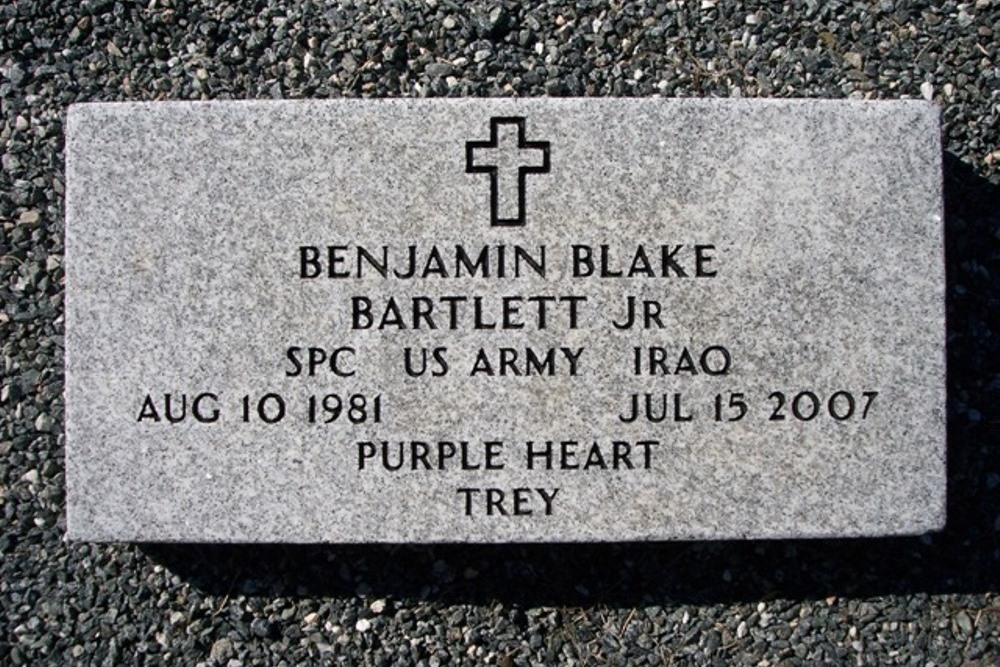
<point>469,311</point>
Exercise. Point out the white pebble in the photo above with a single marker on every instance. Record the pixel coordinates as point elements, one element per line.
<point>363,625</point>
<point>854,59</point>
<point>927,90</point>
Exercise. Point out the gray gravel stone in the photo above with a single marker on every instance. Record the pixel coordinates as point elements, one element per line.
<point>44,422</point>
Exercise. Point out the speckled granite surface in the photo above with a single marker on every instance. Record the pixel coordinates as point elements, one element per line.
<point>787,254</point>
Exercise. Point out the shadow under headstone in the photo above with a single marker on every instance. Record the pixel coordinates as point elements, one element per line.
<point>964,558</point>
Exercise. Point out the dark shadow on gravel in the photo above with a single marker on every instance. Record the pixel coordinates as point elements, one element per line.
<point>965,558</point>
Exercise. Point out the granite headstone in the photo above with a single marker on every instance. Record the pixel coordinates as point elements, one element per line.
<point>504,320</point>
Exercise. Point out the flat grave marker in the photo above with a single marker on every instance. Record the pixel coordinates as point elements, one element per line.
<point>504,320</point>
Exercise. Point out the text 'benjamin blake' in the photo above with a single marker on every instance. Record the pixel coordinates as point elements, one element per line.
<point>503,261</point>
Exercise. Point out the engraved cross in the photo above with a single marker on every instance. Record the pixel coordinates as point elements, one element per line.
<point>508,158</point>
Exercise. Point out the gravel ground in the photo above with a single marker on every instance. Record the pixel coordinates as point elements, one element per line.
<point>931,600</point>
